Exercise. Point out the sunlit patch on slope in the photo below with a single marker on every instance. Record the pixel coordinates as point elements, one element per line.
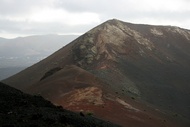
<point>89,95</point>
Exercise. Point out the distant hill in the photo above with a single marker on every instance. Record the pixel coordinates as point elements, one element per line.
<point>131,74</point>
<point>9,71</point>
<point>24,51</point>
<point>19,53</point>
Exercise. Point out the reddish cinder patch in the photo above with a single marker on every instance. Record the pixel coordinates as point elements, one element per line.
<point>112,109</point>
<point>92,100</point>
<point>88,96</point>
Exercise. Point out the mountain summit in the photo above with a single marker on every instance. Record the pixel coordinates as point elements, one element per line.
<point>130,74</point>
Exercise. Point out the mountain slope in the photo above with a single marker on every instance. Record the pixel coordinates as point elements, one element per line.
<point>21,110</point>
<point>149,64</point>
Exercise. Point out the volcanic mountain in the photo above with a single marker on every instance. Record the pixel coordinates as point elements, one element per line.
<point>130,74</point>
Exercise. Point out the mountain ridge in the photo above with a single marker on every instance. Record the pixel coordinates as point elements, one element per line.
<point>142,62</point>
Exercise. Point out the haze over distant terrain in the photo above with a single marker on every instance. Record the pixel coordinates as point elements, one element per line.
<point>19,53</point>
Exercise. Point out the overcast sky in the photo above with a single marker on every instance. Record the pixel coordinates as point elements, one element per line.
<point>34,17</point>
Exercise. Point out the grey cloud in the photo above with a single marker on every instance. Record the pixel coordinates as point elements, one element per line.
<point>40,28</point>
<point>127,10</point>
<point>15,7</point>
<point>124,9</point>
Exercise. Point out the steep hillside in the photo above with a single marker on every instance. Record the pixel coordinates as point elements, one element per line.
<point>78,90</point>
<point>138,69</point>
<point>22,110</point>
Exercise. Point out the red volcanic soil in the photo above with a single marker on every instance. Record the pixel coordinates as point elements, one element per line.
<point>78,90</point>
<point>121,114</point>
<point>65,80</point>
